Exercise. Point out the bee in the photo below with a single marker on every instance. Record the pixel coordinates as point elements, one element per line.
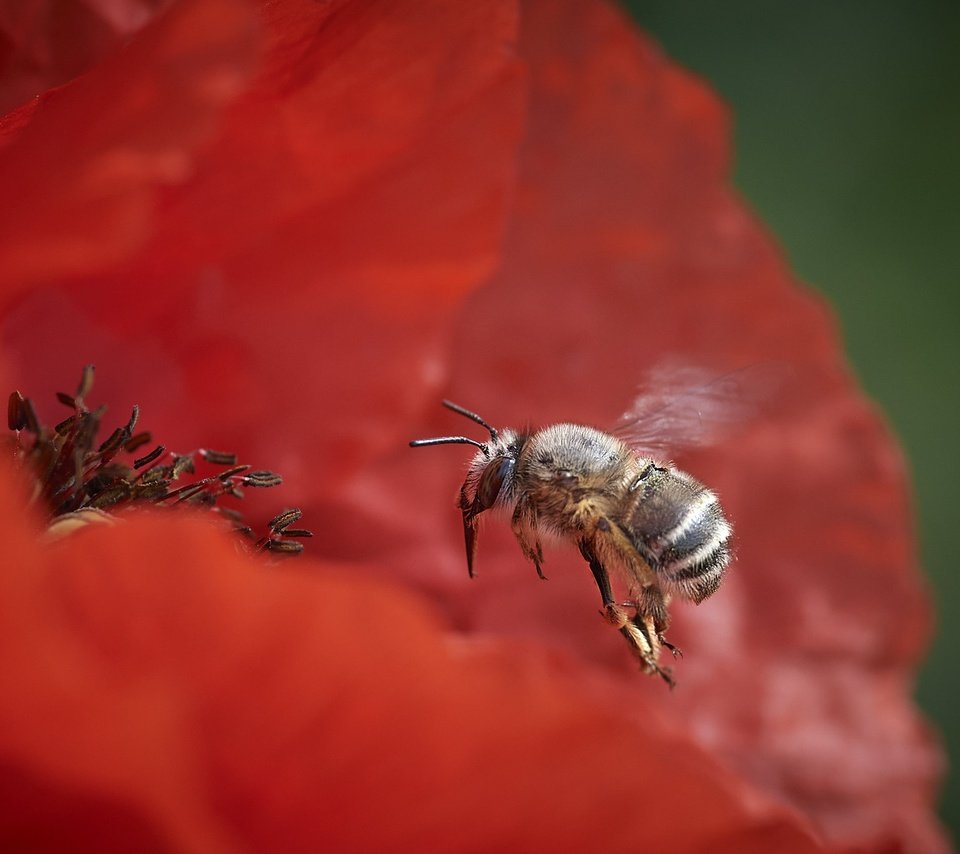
<point>663,531</point>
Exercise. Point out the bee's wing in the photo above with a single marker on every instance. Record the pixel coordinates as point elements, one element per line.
<point>685,406</point>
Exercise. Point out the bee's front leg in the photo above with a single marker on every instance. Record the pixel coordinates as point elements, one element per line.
<point>522,523</point>
<point>644,643</point>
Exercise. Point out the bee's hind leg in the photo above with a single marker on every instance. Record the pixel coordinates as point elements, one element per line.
<point>653,617</point>
<point>612,612</point>
<point>644,643</point>
<point>521,524</point>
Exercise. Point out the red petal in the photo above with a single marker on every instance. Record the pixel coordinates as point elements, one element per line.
<point>352,194</point>
<point>162,692</point>
<point>47,42</point>
<point>79,208</point>
<point>273,276</point>
<point>627,249</point>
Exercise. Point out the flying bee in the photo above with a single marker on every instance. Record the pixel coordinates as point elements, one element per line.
<point>661,529</point>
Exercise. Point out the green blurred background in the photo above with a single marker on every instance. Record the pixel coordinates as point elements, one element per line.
<point>847,132</point>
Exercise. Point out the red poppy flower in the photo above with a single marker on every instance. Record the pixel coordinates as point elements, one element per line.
<point>289,232</point>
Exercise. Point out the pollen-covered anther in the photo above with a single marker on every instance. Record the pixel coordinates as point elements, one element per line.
<point>283,546</point>
<point>285,519</point>
<point>218,458</point>
<point>261,478</point>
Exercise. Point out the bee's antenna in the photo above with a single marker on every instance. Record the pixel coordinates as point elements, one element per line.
<point>472,416</point>
<point>448,440</point>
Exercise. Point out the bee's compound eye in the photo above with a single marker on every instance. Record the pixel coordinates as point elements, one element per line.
<point>492,480</point>
<point>566,478</point>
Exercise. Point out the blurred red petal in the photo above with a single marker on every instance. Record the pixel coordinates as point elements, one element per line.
<point>626,249</point>
<point>47,42</point>
<point>359,117</point>
<point>77,208</point>
<point>301,274</point>
<point>295,291</point>
<point>164,693</point>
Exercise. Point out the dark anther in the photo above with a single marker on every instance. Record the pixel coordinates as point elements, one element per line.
<point>226,475</point>
<point>111,442</point>
<point>288,517</point>
<point>33,423</point>
<point>135,442</point>
<point>218,458</point>
<point>261,478</point>
<point>86,382</point>
<point>16,412</point>
<point>149,458</point>
<point>283,546</point>
<point>110,496</point>
<point>65,425</point>
<point>71,472</point>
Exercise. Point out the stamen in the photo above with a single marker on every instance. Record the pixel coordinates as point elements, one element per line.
<point>149,458</point>
<point>74,475</point>
<point>218,458</point>
<point>16,411</point>
<point>136,442</point>
<point>288,517</point>
<point>262,478</point>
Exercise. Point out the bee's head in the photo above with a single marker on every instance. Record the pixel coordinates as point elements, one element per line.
<point>492,468</point>
<point>491,476</point>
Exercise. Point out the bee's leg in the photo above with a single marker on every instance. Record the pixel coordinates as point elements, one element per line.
<point>635,631</point>
<point>654,618</point>
<point>611,611</point>
<point>641,631</point>
<point>651,620</point>
<point>675,651</point>
<point>521,524</point>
